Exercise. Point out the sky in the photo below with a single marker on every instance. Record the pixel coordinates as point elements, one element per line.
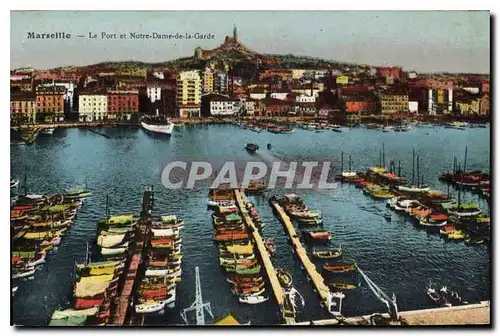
<point>424,41</point>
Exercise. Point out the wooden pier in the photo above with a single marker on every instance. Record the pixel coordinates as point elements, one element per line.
<point>313,275</point>
<point>472,314</point>
<point>131,281</point>
<point>266,260</point>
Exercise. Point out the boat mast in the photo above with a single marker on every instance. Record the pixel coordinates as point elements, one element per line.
<point>459,190</point>
<point>107,209</point>
<point>383,154</point>
<point>349,163</point>
<point>465,160</point>
<point>342,162</point>
<point>413,169</point>
<point>418,171</point>
<point>454,165</point>
<point>24,185</point>
<point>87,254</point>
<point>399,168</point>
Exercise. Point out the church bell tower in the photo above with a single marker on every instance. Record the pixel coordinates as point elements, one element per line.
<point>235,33</point>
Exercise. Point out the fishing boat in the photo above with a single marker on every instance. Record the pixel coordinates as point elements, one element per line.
<point>77,194</point>
<point>434,220</point>
<point>14,183</point>
<point>286,130</point>
<point>157,125</point>
<point>253,299</point>
<point>270,246</point>
<point>339,268</point>
<point>474,240</point>
<point>256,187</point>
<point>220,203</point>
<point>388,216</point>
<point>47,131</point>
<point>318,235</point>
<point>284,277</point>
<point>343,285</point>
<point>465,210</point>
<point>251,147</point>
<point>23,272</point>
<point>437,297</point>
<point>456,235</point>
<point>327,254</point>
<point>406,205</point>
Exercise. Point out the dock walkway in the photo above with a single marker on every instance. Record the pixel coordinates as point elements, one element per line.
<point>313,275</point>
<point>268,265</point>
<point>476,314</point>
<point>131,279</point>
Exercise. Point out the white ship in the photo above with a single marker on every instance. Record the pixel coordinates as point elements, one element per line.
<point>163,127</point>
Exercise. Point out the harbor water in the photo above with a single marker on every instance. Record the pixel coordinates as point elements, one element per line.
<point>397,255</point>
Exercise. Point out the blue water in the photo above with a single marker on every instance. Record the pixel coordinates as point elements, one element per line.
<point>400,257</point>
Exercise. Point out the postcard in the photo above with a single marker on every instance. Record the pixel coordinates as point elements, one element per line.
<point>251,168</point>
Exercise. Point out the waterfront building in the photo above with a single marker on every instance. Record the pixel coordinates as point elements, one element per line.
<point>153,92</point>
<point>393,101</point>
<point>188,94</point>
<point>122,104</point>
<point>69,91</point>
<point>249,106</point>
<point>208,80</point>
<point>277,107</point>
<point>219,105</point>
<point>413,106</point>
<point>468,105</point>
<point>50,103</point>
<point>93,106</point>
<point>22,108</point>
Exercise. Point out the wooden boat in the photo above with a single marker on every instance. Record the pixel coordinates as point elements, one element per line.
<point>456,235</point>
<point>465,210</point>
<point>318,235</point>
<point>339,268</point>
<point>343,285</point>
<point>253,299</point>
<point>327,254</point>
<point>474,240</point>
<point>231,236</point>
<point>251,147</point>
<point>284,277</point>
<point>245,278</point>
<point>270,246</point>
<point>257,290</point>
<point>248,270</point>
<point>447,230</point>
<point>434,220</point>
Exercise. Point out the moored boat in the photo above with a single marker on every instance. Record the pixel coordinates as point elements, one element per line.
<point>327,254</point>
<point>157,126</point>
<point>284,277</point>
<point>339,268</point>
<point>251,147</point>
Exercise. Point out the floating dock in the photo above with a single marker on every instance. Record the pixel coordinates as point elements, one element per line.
<point>266,260</point>
<point>313,275</point>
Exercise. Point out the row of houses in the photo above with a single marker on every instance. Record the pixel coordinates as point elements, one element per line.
<point>108,94</point>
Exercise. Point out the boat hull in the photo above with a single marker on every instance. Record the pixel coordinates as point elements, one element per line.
<point>160,129</point>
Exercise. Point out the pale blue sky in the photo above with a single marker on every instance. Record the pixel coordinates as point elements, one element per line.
<point>417,40</point>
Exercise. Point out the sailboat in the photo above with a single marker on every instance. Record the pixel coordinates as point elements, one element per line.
<point>415,188</point>
<point>348,174</point>
<point>464,209</point>
<point>387,128</point>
